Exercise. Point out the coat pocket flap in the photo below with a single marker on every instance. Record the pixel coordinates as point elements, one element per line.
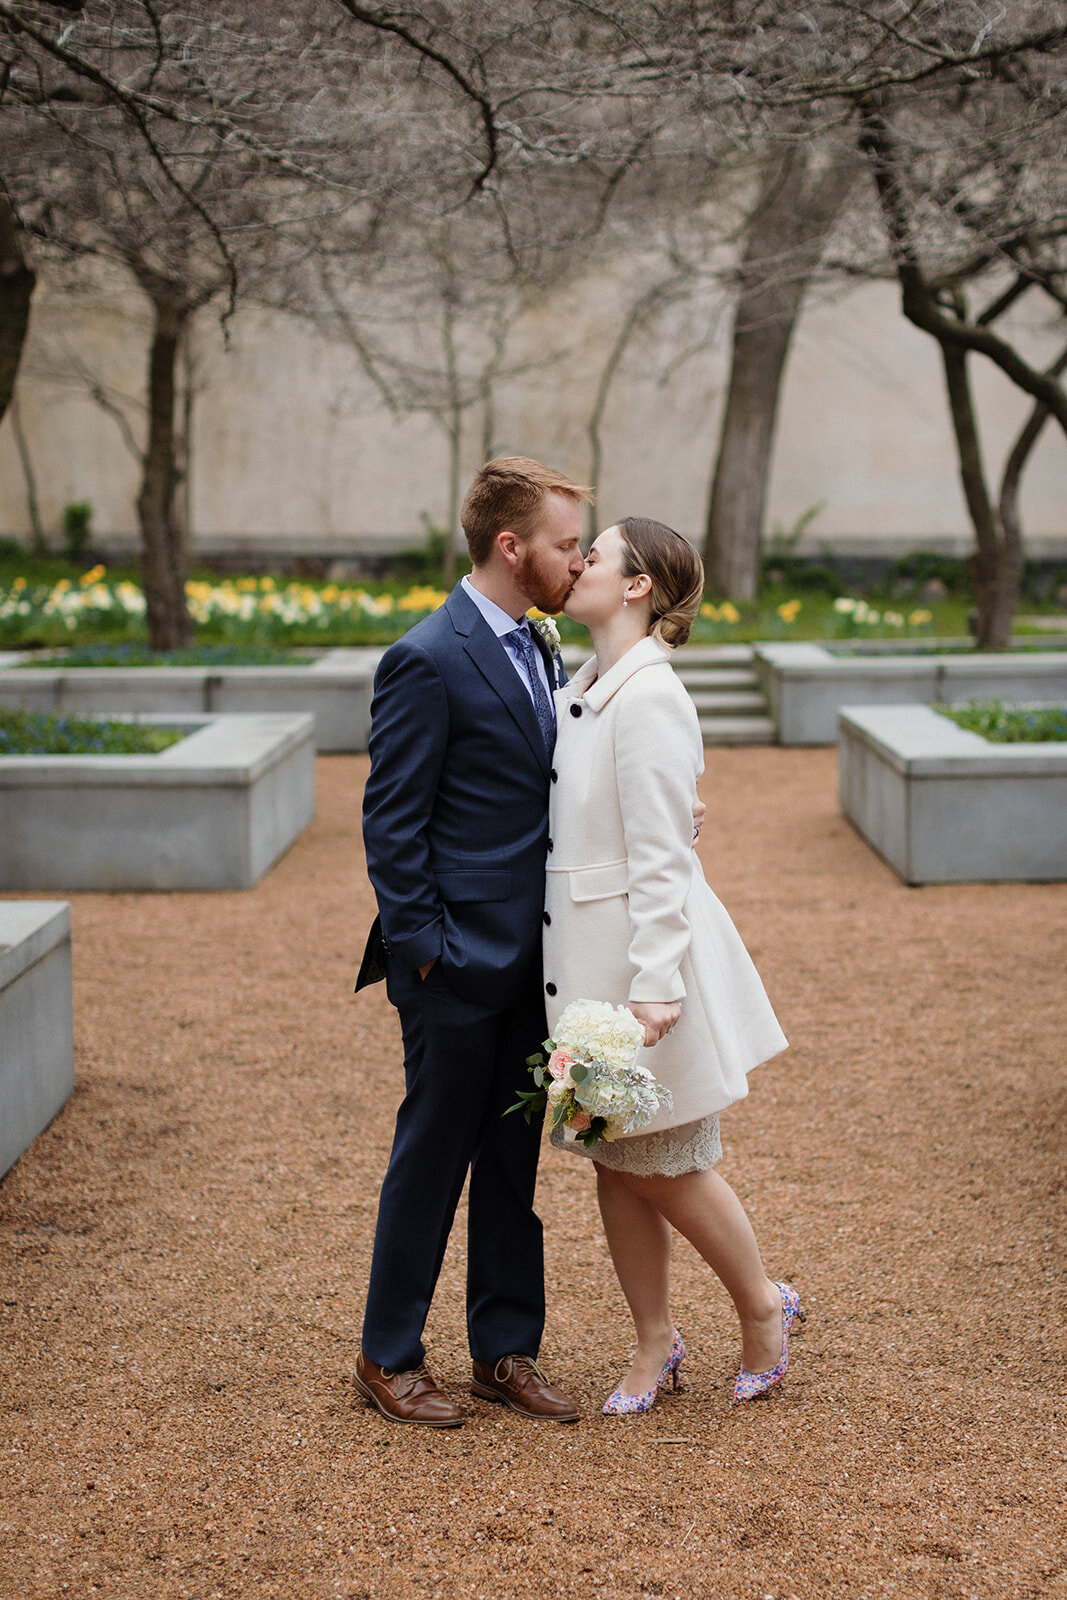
<point>476,883</point>
<point>599,883</point>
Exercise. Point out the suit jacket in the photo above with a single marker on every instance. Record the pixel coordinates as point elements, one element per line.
<point>455,810</point>
<point>630,917</point>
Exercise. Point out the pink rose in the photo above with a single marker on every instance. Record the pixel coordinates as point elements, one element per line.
<point>580,1122</point>
<point>559,1062</point>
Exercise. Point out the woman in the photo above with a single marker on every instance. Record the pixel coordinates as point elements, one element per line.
<point>629,919</point>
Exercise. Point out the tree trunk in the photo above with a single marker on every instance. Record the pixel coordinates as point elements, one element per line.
<point>170,626</point>
<point>17,281</point>
<point>774,276</point>
<point>739,488</point>
<point>183,450</point>
<point>997,563</point>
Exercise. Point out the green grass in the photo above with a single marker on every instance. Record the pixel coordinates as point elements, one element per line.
<point>1010,724</point>
<point>37,733</point>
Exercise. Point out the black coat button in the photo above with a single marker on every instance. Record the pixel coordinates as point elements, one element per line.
<point>550,988</point>
<point>548,920</point>
<point>550,844</point>
<point>576,711</point>
<point>554,775</point>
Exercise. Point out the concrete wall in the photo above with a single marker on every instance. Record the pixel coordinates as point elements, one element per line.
<point>36,1021</point>
<point>941,804</point>
<point>293,450</point>
<point>807,685</point>
<point>212,812</point>
<point>335,689</point>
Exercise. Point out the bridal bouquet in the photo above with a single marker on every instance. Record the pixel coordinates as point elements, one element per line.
<point>591,1081</point>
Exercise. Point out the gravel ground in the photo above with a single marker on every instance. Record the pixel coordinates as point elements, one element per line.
<point>182,1259</point>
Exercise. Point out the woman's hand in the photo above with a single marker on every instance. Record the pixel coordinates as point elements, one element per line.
<point>657,1020</point>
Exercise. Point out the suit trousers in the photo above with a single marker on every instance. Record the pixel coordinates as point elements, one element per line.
<point>463,1063</point>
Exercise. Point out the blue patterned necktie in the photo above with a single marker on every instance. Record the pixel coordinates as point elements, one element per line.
<point>546,715</point>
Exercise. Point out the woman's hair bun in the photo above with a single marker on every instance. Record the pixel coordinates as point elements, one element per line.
<point>676,573</point>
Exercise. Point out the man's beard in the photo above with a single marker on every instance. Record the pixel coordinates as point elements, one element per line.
<point>540,585</point>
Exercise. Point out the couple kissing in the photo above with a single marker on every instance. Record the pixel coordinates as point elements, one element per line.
<point>530,843</point>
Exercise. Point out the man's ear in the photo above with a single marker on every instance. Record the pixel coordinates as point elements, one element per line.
<point>510,546</point>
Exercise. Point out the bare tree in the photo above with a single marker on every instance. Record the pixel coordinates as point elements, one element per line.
<point>975,221</point>
<point>799,199</point>
<point>172,147</point>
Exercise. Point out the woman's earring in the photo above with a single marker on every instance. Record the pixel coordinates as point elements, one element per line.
<point>624,599</point>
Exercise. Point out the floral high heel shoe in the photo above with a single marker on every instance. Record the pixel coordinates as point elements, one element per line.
<point>627,1405</point>
<point>751,1384</point>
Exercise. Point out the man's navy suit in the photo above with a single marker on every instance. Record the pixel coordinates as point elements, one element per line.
<point>455,821</point>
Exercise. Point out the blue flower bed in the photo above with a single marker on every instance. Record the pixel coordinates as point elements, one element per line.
<point>142,655</point>
<point>1010,724</point>
<point>38,733</point>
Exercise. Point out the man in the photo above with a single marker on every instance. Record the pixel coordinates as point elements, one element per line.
<point>455,822</point>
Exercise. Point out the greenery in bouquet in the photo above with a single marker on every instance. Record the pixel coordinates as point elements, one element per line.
<point>591,1081</point>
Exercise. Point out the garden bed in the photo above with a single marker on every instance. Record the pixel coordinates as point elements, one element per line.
<point>36,1021</point>
<point>808,684</point>
<point>41,733</point>
<point>335,688</point>
<point>942,804</point>
<point>214,811</point>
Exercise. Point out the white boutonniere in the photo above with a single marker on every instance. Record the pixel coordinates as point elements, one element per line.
<point>548,631</point>
<point>546,627</point>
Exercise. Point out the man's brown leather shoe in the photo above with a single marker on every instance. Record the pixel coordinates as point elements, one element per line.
<point>519,1382</point>
<point>405,1396</point>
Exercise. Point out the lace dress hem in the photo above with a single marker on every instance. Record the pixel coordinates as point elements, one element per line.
<point>669,1153</point>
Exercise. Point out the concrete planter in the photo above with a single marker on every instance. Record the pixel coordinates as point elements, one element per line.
<point>213,812</point>
<point>335,688</point>
<point>807,685</point>
<point>943,805</point>
<point>36,1021</point>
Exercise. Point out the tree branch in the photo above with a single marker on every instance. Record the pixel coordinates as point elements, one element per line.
<point>134,106</point>
<point>382,24</point>
<point>918,300</point>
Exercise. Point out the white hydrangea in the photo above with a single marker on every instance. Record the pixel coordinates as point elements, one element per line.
<point>597,1030</point>
<point>605,1039</point>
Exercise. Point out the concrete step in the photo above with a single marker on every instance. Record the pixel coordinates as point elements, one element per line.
<point>697,678</point>
<point>727,702</point>
<point>691,655</point>
<point>738,730</point>
<point>722,685</point>
<point>713,655</point>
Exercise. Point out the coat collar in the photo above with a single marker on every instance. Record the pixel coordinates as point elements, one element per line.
<point>598,691</point>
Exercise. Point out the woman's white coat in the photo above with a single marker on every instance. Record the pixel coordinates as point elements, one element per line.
<point>628,914</point>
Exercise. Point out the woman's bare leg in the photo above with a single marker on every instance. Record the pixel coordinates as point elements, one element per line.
<point>704,1208</point>
<point>639,1238</point>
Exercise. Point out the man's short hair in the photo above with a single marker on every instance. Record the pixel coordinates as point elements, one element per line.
<point>508,493</point>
